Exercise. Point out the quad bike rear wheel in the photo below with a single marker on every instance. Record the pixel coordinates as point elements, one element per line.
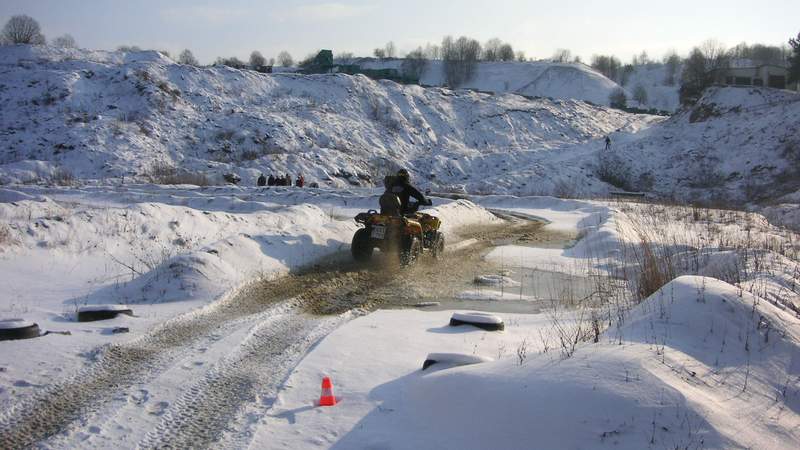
<point>410,251</point>
<point>361,247</point>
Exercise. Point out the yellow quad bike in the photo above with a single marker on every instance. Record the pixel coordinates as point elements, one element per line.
<point>410,236</point>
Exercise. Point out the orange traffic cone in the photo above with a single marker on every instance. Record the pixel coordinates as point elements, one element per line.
<point>327,398</point>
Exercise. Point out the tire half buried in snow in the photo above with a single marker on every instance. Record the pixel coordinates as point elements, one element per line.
<point>18,329</point>
<point>102,312</point>
<point>488,322</point>
<point>453,359</point>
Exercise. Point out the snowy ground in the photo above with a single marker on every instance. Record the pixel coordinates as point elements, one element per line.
<point>699,364</point>
<point>213,240</point>
<point>694,310</point>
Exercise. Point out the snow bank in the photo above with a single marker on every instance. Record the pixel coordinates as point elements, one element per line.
<point>698,365</point>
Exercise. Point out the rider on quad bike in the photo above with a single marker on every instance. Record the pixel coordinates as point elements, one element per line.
<point>402,188</point>
<point>398,227</point>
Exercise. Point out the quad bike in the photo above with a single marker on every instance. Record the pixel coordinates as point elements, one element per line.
<point>410,235</point>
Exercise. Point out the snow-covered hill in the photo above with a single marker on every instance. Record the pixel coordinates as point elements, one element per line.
<point>107,115</point>
<point>736,144</point>
<point>532,79</point>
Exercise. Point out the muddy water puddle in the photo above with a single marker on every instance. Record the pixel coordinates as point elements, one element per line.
<point>466,279</point>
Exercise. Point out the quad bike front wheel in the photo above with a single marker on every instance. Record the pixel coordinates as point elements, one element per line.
<point>410,251</point>
<point>361,247</point>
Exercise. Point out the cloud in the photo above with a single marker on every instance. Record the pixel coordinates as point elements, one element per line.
<point>203,14</point>
<point>324,12</point>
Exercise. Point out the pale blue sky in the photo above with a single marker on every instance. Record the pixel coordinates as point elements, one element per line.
<point>212,28</point>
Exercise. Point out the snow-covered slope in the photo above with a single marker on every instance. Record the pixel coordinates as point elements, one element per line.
<point>736,144</point>
<point>659,95</point>
<point>533,79</point>
<point>107,115</point>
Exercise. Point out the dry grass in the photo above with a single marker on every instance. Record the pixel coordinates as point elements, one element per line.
<point>166,174</point>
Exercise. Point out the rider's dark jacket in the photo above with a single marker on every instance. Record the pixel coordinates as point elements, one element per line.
<point>404,190</point>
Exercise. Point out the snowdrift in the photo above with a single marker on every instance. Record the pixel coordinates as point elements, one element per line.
<point>109,115</point>
<point>736,144</point>
<point>697,365</point>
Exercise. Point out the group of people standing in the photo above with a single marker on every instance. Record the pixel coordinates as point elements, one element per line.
<point>281,180</point>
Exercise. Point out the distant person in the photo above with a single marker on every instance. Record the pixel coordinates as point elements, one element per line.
<point>608,142</point>
<point>300,182</point>
<point>288,180</point>
<point>271,180</point>
<point>262,180</point>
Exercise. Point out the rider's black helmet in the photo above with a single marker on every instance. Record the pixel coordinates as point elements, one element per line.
<point>403,175</point>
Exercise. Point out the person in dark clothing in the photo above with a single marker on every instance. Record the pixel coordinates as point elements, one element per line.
<point>608,142</point>
<point>271,180</point>
<point>301,181</point>
<point>288,179</point>
<point>402,188</point>
<point>262,180</point>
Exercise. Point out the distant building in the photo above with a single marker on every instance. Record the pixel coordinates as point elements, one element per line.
<point>766,75</point>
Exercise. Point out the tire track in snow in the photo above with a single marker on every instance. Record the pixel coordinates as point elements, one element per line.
<point>55,410</point>
<point>218,402</point>
<point>208,409</point>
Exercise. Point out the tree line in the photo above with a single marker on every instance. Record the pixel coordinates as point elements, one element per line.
<point>461,55</point>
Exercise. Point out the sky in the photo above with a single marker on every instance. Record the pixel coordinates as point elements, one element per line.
<point>212,28</point>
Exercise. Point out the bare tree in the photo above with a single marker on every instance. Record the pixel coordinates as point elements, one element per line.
<point>642,59</point>
<point>415,64</point>
<point>609,66</point>
<point>506,52</point>
<point>234,62</point>
<point>65,41</point>
<point>672,63</point>
<point>521,56</point>
<point>794,60</point>
<point>562,55</point>
<point>390,50</point>
<point>257,59</point>
<point>186,57</point>
<point>285,59</point>
<point>716,54</point>
<point>22,29</point>
<point>698,71</point>
<point>640,94</point>
<point>618,99</point>
<point>433,51</point>
<point>460,59</point>
<point>491,49</point>
<point>379,53</point>
<point>345,57</point>
<point>129,48</point>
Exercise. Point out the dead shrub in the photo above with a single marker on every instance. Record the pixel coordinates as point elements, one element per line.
<point>63,177</point>
<point>163,173</point>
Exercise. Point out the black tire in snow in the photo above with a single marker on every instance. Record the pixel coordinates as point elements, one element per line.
<point>18,329</point>
<point>91,314</point>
